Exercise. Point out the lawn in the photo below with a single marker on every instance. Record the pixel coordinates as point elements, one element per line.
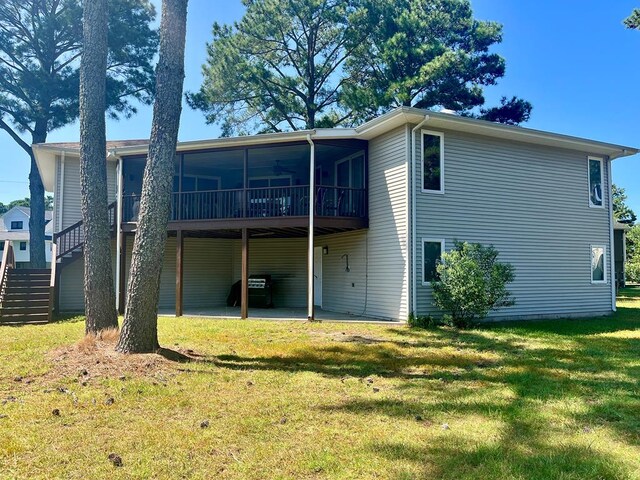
<point>276,400</point>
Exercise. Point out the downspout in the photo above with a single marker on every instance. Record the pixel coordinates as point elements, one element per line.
<point>312,211</point>
<point>414,296</point>
<point>61,193</point>
<point>612,257</point>
<point>119,187</point>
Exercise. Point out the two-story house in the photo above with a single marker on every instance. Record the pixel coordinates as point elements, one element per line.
<point>14,226</point>
<point>353,220</point>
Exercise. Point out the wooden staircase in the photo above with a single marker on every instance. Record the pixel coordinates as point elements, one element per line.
<point>26,295</point>
<point>29,295</point>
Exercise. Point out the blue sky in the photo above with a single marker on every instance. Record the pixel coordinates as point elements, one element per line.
<point>572,59</point>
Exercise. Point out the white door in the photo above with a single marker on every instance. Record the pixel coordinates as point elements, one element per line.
<point>317,276</point>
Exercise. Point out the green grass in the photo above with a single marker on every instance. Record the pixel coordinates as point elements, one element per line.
<point>544,400</point>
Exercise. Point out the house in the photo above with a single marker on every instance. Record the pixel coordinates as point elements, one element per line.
<point>352,220</point>
<point>14,226</point>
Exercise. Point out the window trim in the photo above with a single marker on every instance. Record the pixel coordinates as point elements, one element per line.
<point>602,186</point>
<point>604,264</point>
<point>20,246</point>
<point>435,134</point>
<point>424,240</point>
<point>16,222</point>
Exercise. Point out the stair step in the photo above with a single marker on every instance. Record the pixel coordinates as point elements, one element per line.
<point>8,302</point>
<point>5,310</point>
<point>11,296</point>
<point>44,282</point>
<point>30,271</point>
<point>26,290</point>
<point>19,319</point>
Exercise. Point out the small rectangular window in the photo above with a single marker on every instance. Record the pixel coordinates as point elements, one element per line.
<point>595,182</point>
<point>432,162</point>
<point>17,225</point>
<point>598,264</point>
<point>1,245</point>
<point>23,246</point>
<point>431,254</point>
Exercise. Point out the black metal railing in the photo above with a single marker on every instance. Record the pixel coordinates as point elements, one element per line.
<point>330,201</point>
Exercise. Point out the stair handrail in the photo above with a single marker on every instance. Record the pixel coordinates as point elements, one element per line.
<point>8,261</point>
<point>52,282</point>
<point>77,234</point>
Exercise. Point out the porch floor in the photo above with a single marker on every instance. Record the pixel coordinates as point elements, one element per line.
<point>299,314</point>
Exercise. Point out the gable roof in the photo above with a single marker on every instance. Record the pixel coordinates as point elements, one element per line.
<point>48,216</point>
<point>45,153</point>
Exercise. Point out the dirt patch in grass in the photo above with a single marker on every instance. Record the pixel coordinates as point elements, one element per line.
<point>95,357</point>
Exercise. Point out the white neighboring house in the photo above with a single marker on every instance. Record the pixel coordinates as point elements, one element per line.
<point>14,226</point>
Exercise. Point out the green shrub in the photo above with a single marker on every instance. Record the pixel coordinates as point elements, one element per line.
<point>422,321</point>
<point>471,283</point>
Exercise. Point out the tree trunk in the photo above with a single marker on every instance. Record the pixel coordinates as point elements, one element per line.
<point>37,257</point>
<point>140,328</point>
<point>99,293</point>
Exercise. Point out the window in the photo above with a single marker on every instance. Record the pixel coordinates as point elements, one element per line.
<point>432,162</point>
<point>1,245</point>
<point>431,254</point>
<point>595,182</point>
<point>598,264</point>
<point>23,246</point>
<point>17,225</point>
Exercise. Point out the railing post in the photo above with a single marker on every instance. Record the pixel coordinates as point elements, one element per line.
<point>52,281</point>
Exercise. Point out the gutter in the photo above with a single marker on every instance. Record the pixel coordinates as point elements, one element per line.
<point>412,184</point>
<point>612,259</point>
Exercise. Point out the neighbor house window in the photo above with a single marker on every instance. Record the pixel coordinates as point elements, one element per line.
<point>1,245</point>
<point>432,162</point>
<point>17,225</point>
<point>431,254</point>
<point>23,246</point>
<point>598,264</point>
<point>595,182</point>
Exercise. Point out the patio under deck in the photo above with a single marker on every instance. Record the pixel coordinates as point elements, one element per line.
<point>286,314</point>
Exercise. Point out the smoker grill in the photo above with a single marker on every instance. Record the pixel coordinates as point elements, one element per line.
<point>260,291</point>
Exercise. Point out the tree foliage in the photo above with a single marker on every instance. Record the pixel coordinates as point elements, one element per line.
<point>633,20</point>
<point>621,211</point>
<point>279,67</point>
<point>48,204</point>
<point>428,53</point>
<point>40,47</point>
<point>292,64</point>
<point>632,267</point>
<point>471,283</point>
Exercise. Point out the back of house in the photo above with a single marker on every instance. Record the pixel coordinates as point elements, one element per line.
<point>385,200</point>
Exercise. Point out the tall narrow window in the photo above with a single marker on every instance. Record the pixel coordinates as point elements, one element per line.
<point>431,254</point>
<point>23,246</point>
<point>432,162</point>
<point>595,182</point>
<point>598,264</point>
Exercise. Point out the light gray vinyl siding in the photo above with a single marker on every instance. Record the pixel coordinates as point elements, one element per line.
<point>344,291</point>
<point>71,288</point>
<point>207,272</point>
<point>531,203</point>
<point>387,243</point>
<point>72,209</point>
<point>285,259</point>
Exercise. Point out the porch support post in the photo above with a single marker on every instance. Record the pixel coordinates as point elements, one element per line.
<point>179,271</point>
<point>244,288</point>
<point>312,213</point>
<point>122,263</point>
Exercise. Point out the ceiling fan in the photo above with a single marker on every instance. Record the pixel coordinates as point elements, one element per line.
<point>280,170</point>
